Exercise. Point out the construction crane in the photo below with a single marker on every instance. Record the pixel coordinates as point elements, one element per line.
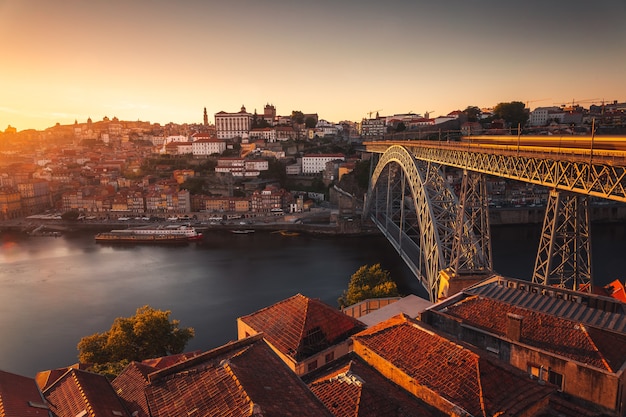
<point>534,101</point>
<point>373,111</point>
<point>575,102</point>
<point>427,114</point>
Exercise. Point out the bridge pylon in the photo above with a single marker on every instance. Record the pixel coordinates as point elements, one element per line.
<point>471,259</point>
<point>564,254</point>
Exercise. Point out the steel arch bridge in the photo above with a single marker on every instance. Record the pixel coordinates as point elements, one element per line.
<point>412,204</point>
<point>433,230</point>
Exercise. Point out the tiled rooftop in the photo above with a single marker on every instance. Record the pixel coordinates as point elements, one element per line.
<point>300,326</point>
<point>77,391</point>
<point>238,379</point>
<point>131,385</point>
<point>351,388</point>
<point>454,372</point>
<point>593,310</point>
<point>20,396</point>
<point>595,347</point>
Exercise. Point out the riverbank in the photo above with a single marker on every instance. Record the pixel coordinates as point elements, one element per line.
<point>323,224</point>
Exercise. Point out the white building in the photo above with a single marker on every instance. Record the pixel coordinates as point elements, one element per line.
<point>256,165</point>
<point>176,138</point>
<point>316,163</point>
<point>542,115</point>
<point>205,147</point>
<point>232,125</point>
<point>266,133</point>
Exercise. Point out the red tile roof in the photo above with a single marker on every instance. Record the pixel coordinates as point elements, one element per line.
<point>131,385</point>
<point>238,379</point>
<point>351,388</point>
<point>454,372</point>
<point>46,378</point>
<point>300,327</point>
<point>599,348</point>
<point>20,397</point>
<point>169,360</point>
<point>77,391</point>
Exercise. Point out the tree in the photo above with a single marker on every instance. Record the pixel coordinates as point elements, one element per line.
<point>472,113</point>
<point>368,282</point>
<point>514,113</point>
<point>147,334</point>
<point>297,117</point>
<point>310,122</point>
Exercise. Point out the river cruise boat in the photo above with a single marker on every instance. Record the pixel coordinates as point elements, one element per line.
<point>169,234</point>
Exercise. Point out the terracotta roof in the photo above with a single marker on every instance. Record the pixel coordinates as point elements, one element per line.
<point>599,348</point>
<point>242,378</point>
<point>349,387</point>
<point>593,310</point>
<point>452,371</point>
<point>46,378</point>
<point>20,396</point>
<point>169,360</point>
<point>131,385</point>
<point>77,391</point>
<point>300,327</point>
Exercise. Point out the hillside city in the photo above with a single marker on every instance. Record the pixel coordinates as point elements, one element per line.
<point>242,164</point>
<point>494,347</point>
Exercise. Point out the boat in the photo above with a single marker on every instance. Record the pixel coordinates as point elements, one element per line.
<point>170,234</point>
<point>288,233</point>
<point>242,231</point>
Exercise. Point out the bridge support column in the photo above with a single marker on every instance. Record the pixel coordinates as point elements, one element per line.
<point>564,254</point>
<point>470,260</point>
<point>471,248</point>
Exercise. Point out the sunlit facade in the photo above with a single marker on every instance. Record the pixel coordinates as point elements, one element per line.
<point>233,125</point>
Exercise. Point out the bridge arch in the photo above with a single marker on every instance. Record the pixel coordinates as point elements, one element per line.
<point>412,204</point>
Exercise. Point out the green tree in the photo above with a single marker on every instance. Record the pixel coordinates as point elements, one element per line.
<point>514,113</point>
<point>194,185</point>
<point>368,282</point>
<point>148,334</point>
<point>297,117</point>
<point>472,113</point>
<point>310,122</point>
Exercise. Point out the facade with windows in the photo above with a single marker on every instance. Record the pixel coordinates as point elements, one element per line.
<point>206,147</point>
<point>316,163</point>
<point>233,125</point>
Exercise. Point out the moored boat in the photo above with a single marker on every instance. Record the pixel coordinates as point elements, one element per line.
<point>175,234</point>
<point>242,231</point>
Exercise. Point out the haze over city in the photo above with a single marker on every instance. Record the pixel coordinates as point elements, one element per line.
<point>164,61</point>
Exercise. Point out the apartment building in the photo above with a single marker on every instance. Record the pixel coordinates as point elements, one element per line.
<point>316,163</point>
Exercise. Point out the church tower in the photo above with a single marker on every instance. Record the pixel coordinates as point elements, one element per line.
<point>206,118</point>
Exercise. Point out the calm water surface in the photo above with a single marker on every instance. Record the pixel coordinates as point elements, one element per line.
<point>54,291</point>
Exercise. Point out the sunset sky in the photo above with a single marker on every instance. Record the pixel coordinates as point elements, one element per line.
<point>165,60</point>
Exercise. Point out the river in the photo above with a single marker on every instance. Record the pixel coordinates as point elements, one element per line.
<point>54,291</point>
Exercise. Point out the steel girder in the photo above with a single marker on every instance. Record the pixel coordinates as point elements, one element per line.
<point>564,255</point>
<point>471,250</point>
<point>597,176</point>
<point>413,206</point>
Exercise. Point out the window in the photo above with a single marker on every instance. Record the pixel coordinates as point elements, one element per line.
<point>533,371</point>
<point>312,365</point>
<point>555,378</point>
<point>330,356</point>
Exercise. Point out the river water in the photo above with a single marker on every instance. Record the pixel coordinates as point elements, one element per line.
<point>54,291</point>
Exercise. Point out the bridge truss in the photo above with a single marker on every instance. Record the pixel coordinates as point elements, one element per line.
<point>433,230</point>
<point>413,205</point>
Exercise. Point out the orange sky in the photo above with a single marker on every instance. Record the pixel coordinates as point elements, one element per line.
<point>164,61</point>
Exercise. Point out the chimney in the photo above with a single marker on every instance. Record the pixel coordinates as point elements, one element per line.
<point>514,327</point>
